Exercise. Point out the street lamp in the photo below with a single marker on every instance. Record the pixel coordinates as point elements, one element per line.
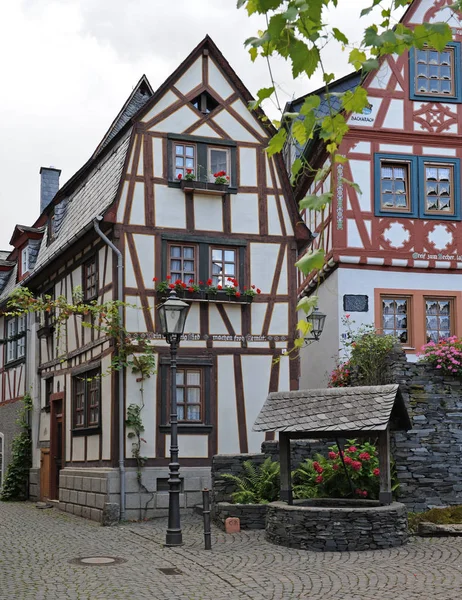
<point>317,320</point>
<point>172,316</point>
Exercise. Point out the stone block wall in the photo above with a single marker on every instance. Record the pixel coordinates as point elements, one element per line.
<point>9,412</point>
<point>95,493</point>
<point>251,516</point>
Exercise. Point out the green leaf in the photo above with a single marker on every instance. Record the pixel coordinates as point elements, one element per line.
<point>307,304</point>
<point>253,54</point>
<point>339,36</point>
<point>241,3</point>
<point>310,104</point>
<point>304,59</point>
<point>262,94</point>
<point>328,77</point>
<point>276,143</point>
<point>304,327</point>
<point>370,65</point>
<point>321,173</point>
<point>357,58</point>
<point>299,132</point>
<point>352,184</point>
<point>339,158</point>
<point>356,100</point>
<point>296,167</point>
<point>314,259</point>
<point>298,342</point>
<point>315,202</point>
<point>291,13</point>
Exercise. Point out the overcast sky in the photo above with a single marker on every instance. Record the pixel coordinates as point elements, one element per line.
<point>69,65</point>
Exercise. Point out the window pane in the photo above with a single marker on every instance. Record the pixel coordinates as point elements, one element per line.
<point>190,163</point>
<point>194,378</point>
<point>180,377</point>
<point>194,413</point>
<point>190,151</point>
<point>395,318</point>
<point>180,413</point>
<point>188,252</point>
<point>218,160</point>
<point>180,395</point>
<point>179,150</point>
<point>179,162</point>
<point>230,255</point>
<point>217,254</point>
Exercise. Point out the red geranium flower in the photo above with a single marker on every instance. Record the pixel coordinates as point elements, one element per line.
<point>317,467</point>
<point>169,277</point>
<point>238,294</point>
<point>219,287</point>
<point>180,176</point>
<point>356,465</point>
<point>209,282</point>
<point>191,281</point>
<point>253,287</point>
<point>352,449</point>
<point>365,456</point>
<point>154,278</point>
<point>376,472</point>
<point>347,460</point>
<point>332,455</point>
<point>171,285</point>
<point>190,289</point>
<point>183,284</point>
<point>188,171</point>
<point>319,479</point>
<point>258,291</point>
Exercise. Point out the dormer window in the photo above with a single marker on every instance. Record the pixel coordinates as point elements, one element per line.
<point>24,260</point>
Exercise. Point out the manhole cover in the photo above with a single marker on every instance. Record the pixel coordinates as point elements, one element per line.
<point>97,560</point>
<point>171,571</point>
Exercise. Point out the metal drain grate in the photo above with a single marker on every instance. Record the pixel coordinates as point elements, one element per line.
<point>171,571</point>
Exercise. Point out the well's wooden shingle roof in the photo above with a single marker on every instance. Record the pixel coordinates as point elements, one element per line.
<point>334,410</point>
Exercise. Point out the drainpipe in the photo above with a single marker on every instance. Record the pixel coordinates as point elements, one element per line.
<point>120,270</point>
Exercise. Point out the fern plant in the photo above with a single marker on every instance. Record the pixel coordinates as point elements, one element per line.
<point>257,485</point>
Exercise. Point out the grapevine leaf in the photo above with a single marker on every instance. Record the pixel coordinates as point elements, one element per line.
<point>314,259</point>
<point>296,167</point>
<point>310,104</point>
<point>298,343</point>
<point>262,94</point>
<point>304,327</point>
<point>307,304</point>
<point>357,58</point>
<point>339,36</point>
<point>276,143</point>
<point>299,132</point>
<point>315,202</point>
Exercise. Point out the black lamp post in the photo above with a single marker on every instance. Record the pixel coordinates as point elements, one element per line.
<point>317,320</point>
<point>172,315</point>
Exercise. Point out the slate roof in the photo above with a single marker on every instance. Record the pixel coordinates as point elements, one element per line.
<point>137,99</point>
<point>333,410</point>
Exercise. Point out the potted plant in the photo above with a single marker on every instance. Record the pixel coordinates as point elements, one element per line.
<point>250,293</point>
<point>221,178</point>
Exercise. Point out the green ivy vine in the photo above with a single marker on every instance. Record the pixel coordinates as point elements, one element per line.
<point>17,473</point>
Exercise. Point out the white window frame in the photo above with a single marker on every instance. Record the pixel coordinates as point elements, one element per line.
<point>209,161</point>
<point>25,260</point>
<point>16,349</point>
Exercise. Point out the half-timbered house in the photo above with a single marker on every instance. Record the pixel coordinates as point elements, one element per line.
<point>134,191</point>
<point>393,250</point>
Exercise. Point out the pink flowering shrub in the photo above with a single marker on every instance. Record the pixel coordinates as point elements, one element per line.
<point>445,355</point>
<point>326,477</point>
<point>340,376</point>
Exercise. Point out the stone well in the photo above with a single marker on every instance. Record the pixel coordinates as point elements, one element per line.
<point>326,525</point>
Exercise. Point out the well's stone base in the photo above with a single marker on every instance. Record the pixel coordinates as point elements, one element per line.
<point>311,526</point>
<point>251,516</point>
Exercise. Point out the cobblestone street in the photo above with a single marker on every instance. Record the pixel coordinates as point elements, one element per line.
<point>37,549</point>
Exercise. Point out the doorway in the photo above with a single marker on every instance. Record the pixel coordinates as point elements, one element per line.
<point>56,445</point>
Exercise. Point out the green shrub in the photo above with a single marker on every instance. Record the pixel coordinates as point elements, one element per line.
<point>326,477</point>
<point>257,485</point>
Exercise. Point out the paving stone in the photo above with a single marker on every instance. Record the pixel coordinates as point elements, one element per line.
<point>37,546</point>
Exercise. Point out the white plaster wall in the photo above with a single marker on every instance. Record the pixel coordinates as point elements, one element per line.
<point>248,166</point>
<point>274,223</point>
<point>167,100</point>
<point>317,360</point>
<point>78,449</point>
<point>256,372</point>
<point>106,407</point>
<point>244,213</point>
<point>190,446</point>
<point>144,245</point>
<point>395,115</point>
<point>248,116</point>
<point>217,82</point>
<point>258,316</point>
<point>206,131</point>
<point>122,203</point>
<point>208,212</point>
<point>283,284</point>
<point>137,216</point>
<point>93,447</point>
<point>228,434</point>
<point>263,259</point>
<point>180,120</point>
<point>192,77</point>
<point>216,324</point>
<point>157,153</point>
<point>148,414</point>
<point>134,319</point>
<point>361,172</point>
<point>233,128</point>
<point>170,208</point>
<point>192,324</point>
<point>280,319</point>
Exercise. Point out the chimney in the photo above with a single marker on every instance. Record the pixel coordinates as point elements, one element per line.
<point>49,185</point>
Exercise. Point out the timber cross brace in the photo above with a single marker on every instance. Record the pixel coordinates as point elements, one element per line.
<point>333,413</point>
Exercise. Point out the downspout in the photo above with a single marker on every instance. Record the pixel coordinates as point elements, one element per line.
<point>120,271</point>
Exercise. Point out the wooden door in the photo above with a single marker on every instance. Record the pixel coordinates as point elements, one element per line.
<point>56,447</point>
<point>45,474</point>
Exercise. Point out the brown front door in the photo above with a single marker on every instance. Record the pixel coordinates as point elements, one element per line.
<point>56,447</point>
<point>45,474</point>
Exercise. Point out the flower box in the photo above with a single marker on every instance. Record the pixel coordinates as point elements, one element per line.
<point>204,187</point>
<point>203,296</point>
